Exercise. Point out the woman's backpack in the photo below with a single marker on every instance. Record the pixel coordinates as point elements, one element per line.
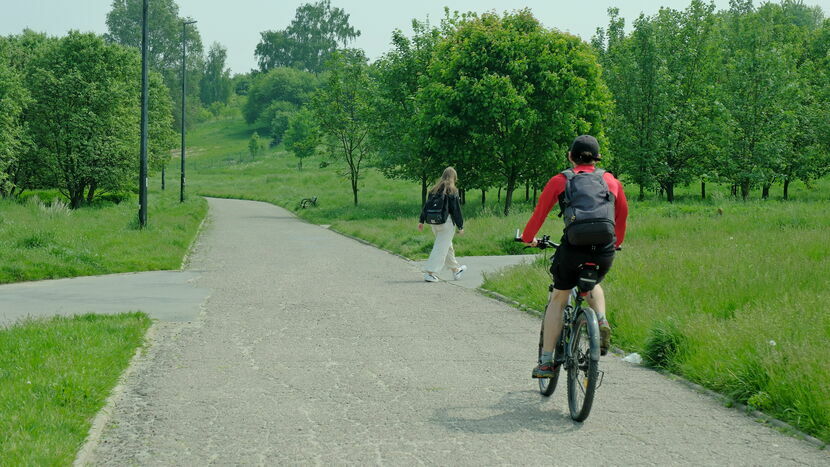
<point>587,208</point>
<point>435,209</point>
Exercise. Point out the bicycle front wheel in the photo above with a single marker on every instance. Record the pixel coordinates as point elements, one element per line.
<point>547,385</point>
<point>583,365</point>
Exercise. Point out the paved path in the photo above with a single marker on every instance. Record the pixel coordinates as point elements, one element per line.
<point>316,349</point>
<point>164,295</point>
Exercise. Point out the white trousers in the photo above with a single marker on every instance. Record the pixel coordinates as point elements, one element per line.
<point>443,253</point>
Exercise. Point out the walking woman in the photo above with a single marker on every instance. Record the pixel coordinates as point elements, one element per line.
<point>443,212</point>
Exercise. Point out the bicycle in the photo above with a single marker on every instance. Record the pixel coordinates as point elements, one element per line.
<point>578,346</point>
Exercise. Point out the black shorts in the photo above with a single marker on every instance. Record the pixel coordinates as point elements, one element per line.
<point>566,261</point>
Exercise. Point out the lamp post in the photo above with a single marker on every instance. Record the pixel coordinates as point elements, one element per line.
<point>142,172</point>
<point>184,96</point>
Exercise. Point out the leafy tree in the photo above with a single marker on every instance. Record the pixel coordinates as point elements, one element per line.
<point>254,146</point>
<point>504,92</point>
<point>13,99</point>
<point>84,118</point>
<point>760,93</point>
<point>316,31</point>
<point>278,85</point>
<point>302,136</point>
<point>398,134</point>
<point>635,78</point>
<point>23,168</point>
<point>216,82</point>
<point>164,46</point>
<point>343,110</point>
<point>282,112</point>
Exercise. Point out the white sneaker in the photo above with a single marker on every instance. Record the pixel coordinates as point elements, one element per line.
<point>430,277</point>
<point>457,274</point>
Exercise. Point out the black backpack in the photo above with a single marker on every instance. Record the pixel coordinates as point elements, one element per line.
<point>435,209</point>
<point>587,208</point>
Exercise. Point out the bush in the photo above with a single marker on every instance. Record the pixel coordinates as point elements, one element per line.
<point>664,345</point>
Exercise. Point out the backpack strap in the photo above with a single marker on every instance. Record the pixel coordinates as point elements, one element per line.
<point>565,197</point>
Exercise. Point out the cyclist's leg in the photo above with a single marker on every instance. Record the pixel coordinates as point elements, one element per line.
<point>596,298</point>
<point>553,318</point>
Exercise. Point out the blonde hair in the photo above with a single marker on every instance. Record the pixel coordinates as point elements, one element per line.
<point>446,184</point>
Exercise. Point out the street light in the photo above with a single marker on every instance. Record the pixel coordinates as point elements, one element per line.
<point>142,172</point>
<point>184,89</point>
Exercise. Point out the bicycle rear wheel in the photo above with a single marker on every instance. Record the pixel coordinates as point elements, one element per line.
<point>583,365</point>
<point>547,385</point>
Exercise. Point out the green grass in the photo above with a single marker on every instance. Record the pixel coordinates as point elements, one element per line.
<point>37,242</point>
<point>733,302</point>
<point>55,375</point>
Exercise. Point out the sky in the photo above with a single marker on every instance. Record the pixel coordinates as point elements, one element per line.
<point>237,24</point>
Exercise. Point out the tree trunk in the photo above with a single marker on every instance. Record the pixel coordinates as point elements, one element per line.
<point>300,164</point>
<point>76,197</point>
<point>670,192</point>
<point>462,196</point>
<point>734,190</point>
<point>744,190</point>
<point>499,197</point>
<point>423,189</point>
<point>535,192</point>
<point>354,190</point>
<point>786,189</point>
<point>483,197</point>
<point>765,190</point>
<point>702,189</point>
<point>91,194</point>
<point>527,191</point>
<point>162,178</point>
<point>508,196</point>
<point>642,192</point>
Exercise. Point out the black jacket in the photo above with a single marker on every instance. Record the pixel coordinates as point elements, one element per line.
<point>454,209</point>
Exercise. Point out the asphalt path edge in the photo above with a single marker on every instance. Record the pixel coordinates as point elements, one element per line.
<point>196,236</point>
<point>759,416</point>
<point>85,455</point>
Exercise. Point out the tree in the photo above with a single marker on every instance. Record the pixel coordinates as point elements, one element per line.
<point>278,85</point>
<point>342,108</point>
<point>632,71</point>
<point>254,146</point>
<point>165,46</point>
<point>761,94</point>
<point>316,31</point>
<point>13,99</point>
<point>84,116</point>
<point>302,136</point>
<point>23,168</point>
<point>398,134</point>
<point>504,91</point>
<point>691,123</point>
<point>216,81</point>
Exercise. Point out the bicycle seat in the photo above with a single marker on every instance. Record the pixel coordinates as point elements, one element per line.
<point>588,275</point>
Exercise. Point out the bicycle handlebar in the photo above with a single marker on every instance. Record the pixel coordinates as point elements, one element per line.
<point>545,243</point>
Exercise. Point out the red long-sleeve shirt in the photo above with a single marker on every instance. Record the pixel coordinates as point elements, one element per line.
<point>555,187</point>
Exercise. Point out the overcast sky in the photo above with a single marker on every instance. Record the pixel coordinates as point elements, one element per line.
<point>237,24</point>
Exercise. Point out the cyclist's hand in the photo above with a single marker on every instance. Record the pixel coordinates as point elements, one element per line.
<point>421,227</point>
<point>535,242</point>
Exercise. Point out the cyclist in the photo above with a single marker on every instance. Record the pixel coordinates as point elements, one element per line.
<point>583,155</point>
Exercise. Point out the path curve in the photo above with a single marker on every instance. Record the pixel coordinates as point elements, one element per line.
<point>316,349</point>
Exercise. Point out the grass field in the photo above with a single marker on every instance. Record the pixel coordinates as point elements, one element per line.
<point>732,301</point>
<point>38,241</point>
<point>55,375</point>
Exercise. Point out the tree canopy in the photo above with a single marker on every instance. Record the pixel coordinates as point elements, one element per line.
<point>316,31</point>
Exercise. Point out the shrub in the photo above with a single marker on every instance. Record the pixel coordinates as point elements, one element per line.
<point>664,345</point>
